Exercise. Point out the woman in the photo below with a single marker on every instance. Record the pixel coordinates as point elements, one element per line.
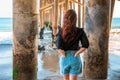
<point>67,41</point>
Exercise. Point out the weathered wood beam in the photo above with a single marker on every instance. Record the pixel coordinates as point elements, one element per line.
<point>70,4</point>
<point>97,29</point>
<point>66,5</point>
<point>25,32</point>
<point>55,21</point>
<point>83,12</point>
<point>112,10</point>
<point>41,19</point>
<point>46,9</point>
<point>47,6</point>
<point>55,15</point>
<point>74,1</point>
<point>60,14</point>
<point>50,5</point>
<point>79,15</point>
<point>51,15</point>
<point>62,2</point>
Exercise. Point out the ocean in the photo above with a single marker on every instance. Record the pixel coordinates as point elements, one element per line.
<point>6,29</point>
<point>115,23</point>
<point>6,24</point>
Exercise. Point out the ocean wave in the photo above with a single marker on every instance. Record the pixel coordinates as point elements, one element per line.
<point>6,37</point>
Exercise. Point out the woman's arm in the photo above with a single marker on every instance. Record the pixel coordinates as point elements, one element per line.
<point>62,52</point>
<point>84,42</point>
<point>80,51</point>
<point>59,43</point>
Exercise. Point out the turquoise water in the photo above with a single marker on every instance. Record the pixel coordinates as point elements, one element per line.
<point>7,23</point>
<point>115,23</point>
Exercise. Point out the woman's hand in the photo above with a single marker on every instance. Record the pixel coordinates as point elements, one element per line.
<point>77,53</point>
<point>62,52</point>
<point>80,51</point>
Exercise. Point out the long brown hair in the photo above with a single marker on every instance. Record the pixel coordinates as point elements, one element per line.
<point>69,26</point>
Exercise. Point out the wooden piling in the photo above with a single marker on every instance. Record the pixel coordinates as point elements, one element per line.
<point>97,29</point>
<point>25,41</point>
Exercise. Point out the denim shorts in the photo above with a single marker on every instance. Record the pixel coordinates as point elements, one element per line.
<point>70,64</point>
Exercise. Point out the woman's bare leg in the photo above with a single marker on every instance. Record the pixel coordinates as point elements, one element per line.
<point>73,77</point>
<point>66,77</point>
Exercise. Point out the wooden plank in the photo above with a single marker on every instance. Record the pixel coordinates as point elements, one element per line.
<point>55,14</point>
<point>83,20</point>
<point>66,5</point>
<point>79,14</point>
<point>74,1</point>
<point>70,4</point>
<point>47,6</point>
<point>50,5</point>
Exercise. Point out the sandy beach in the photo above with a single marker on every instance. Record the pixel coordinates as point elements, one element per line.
<point>48,71</point>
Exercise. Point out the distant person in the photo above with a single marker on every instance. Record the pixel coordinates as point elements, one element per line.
<point>67,42</point>
<point>41,33</point>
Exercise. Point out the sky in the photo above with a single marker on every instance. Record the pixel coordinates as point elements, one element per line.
<point>6,7</point>
<point>116,12</point>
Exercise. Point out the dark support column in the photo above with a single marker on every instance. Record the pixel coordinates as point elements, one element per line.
<point>41,25</point>
<point>25,47</point>
<point>97,28</point>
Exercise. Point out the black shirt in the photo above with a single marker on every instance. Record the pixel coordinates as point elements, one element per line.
<point>74,44</point>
